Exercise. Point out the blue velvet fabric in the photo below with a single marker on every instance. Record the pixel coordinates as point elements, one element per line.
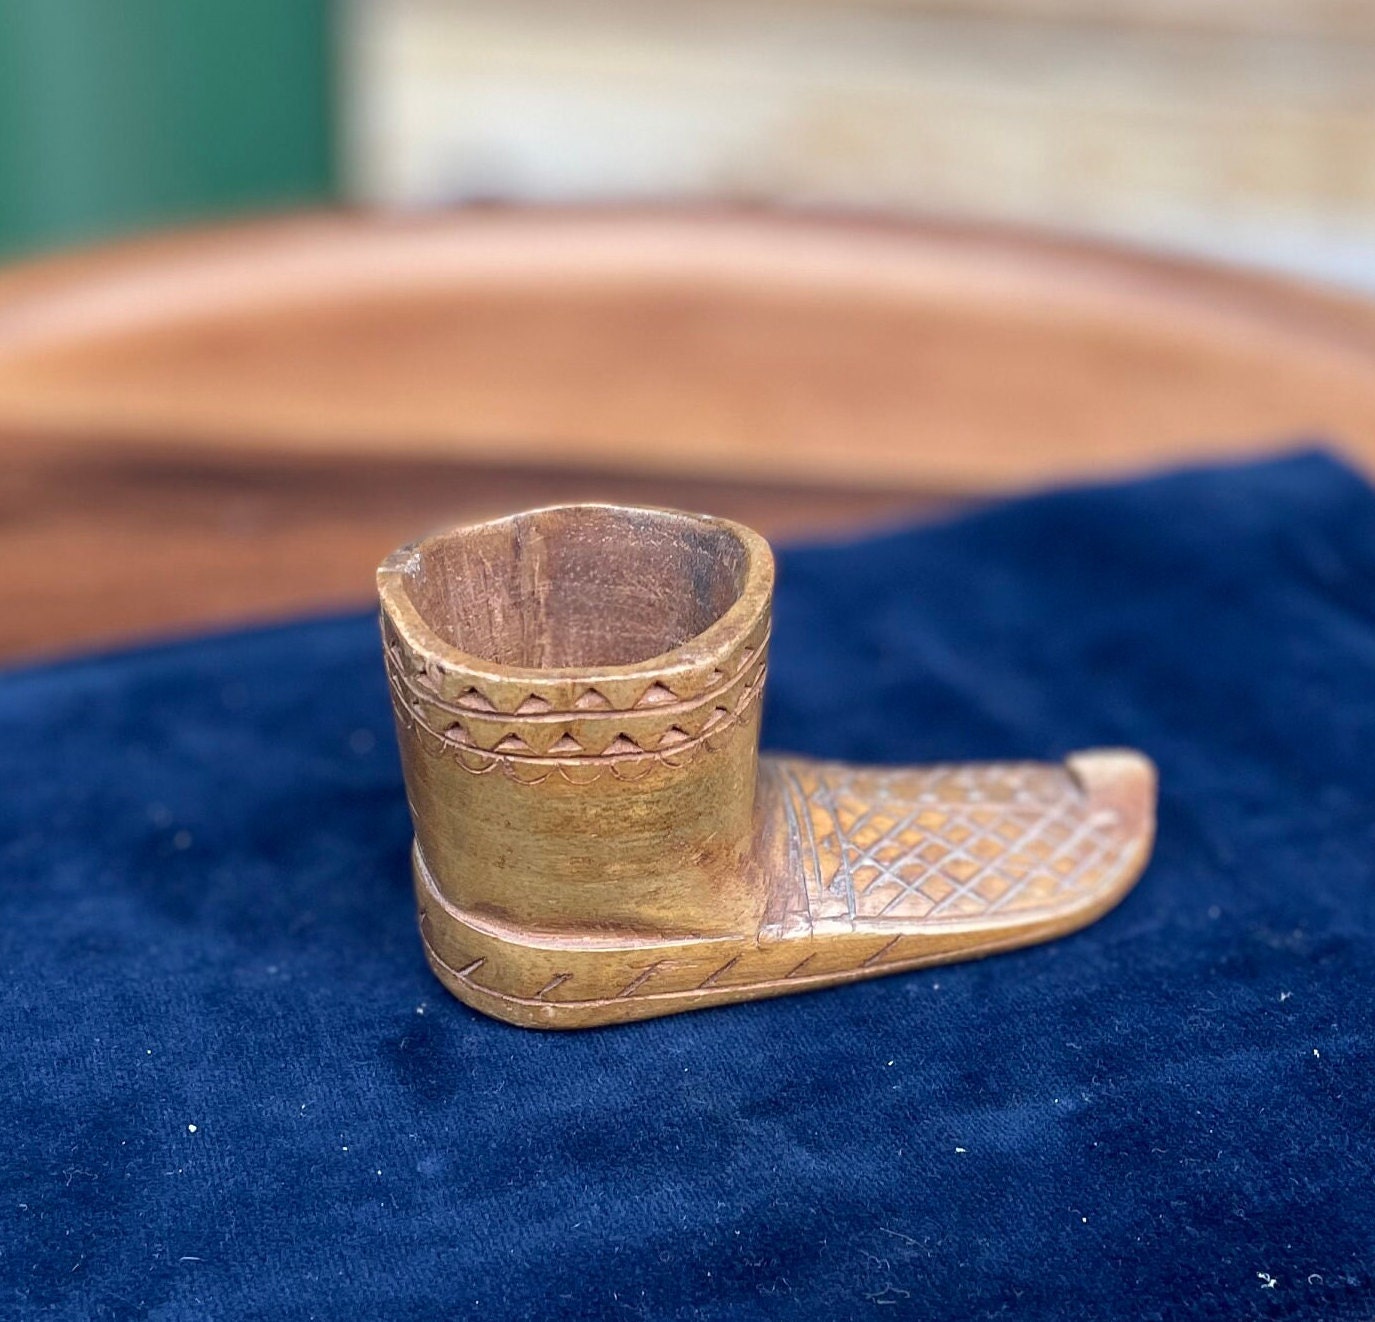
<point>232,1089</point>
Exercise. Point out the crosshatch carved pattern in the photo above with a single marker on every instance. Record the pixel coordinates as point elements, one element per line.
<point>946,843</point>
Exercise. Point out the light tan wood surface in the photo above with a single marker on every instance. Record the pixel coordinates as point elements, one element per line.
<point>210,427</point>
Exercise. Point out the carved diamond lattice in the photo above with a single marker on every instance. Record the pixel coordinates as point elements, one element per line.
<point>947,843</point>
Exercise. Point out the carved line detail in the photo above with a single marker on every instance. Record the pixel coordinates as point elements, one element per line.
<point>632,988</point>
<point>657,699</point>
<point>800,821</point>
<point>709,984</point>
<point>578,769</point>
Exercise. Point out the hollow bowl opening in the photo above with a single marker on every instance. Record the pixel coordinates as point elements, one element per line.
<point>579,586</point>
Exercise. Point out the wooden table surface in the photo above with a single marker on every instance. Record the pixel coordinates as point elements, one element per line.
<point>231,425</point>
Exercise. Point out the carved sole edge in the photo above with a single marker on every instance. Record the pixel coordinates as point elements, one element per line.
<point>525,978</point>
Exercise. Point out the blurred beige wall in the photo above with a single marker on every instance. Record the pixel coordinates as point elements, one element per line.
<point>1240,129</point>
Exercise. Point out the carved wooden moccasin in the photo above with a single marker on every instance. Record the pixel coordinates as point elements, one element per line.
<point>596,836</point>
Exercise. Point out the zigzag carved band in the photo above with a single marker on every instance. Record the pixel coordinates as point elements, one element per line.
<point>533,768</point>
<point>419,688</point>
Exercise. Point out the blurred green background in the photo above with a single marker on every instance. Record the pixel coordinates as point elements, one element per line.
<point>118,115</point>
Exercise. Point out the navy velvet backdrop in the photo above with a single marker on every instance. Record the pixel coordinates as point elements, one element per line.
<point>232,1090</point>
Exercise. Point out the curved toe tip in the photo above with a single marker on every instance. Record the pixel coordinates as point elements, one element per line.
<point>1120,779</point>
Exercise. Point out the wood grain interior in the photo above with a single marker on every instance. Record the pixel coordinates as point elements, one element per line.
<point>576,586</point>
